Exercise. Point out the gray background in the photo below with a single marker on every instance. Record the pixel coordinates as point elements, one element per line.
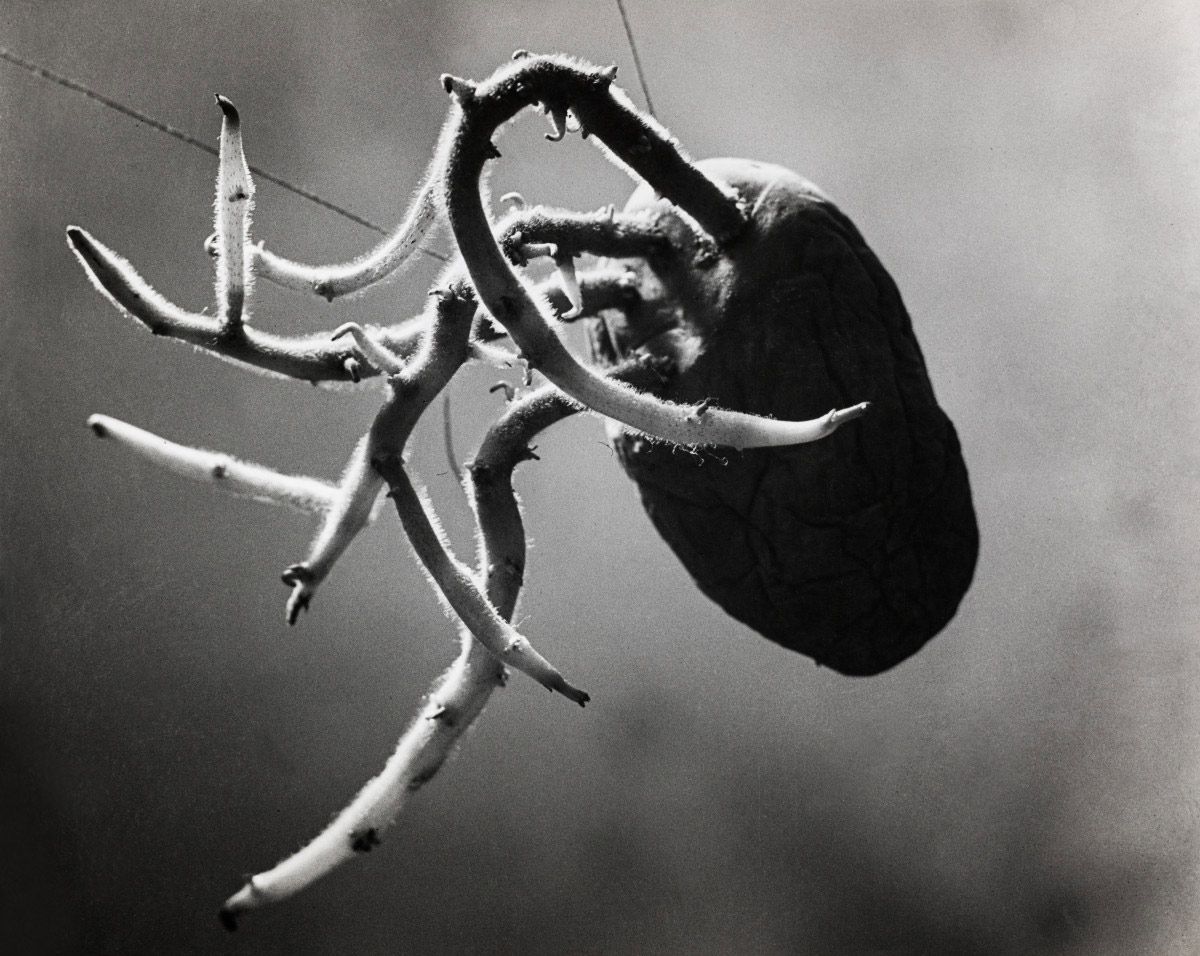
<point>1029,172</point>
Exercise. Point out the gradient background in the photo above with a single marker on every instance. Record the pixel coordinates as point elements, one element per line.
<point>1029,172</point>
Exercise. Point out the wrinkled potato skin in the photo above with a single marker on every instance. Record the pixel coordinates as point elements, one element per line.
<point>855,549</point>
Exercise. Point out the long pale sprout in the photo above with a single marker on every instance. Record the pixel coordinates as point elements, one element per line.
<point>453,703</point>
<point>238,477</point>
<point>234,201</point>
<point>462,593</point>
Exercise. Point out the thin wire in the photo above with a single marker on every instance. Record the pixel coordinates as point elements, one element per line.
<point>77,87</point>
<point>637,60</point>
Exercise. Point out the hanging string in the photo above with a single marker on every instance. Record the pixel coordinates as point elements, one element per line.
<point>135,114</point>
<point>637,60</point>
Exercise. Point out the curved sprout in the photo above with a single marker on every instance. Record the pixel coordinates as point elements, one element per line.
<point>461,592</point>
<point>377,355</point>
<point>350,512</point>
<point>481,109</point>
<point>387,257</point>
<point>454,701</point>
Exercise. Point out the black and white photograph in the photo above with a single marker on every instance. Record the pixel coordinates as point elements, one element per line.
<point>600,478</point>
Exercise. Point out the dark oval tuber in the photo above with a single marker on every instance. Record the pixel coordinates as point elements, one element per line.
<point>856,549</point>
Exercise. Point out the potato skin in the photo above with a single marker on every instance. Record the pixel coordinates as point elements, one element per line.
<point>856,549</point>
